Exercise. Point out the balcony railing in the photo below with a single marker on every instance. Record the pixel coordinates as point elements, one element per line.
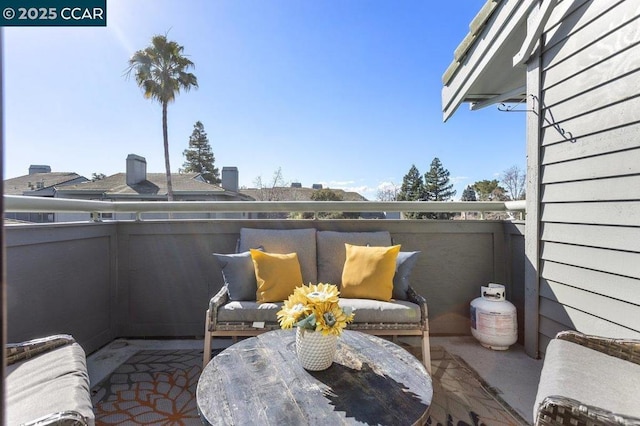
<point>17,204</point>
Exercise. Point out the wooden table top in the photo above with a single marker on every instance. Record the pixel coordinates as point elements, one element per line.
<point>260,381</point>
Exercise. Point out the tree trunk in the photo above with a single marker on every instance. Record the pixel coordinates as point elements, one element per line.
<point>167,164</point>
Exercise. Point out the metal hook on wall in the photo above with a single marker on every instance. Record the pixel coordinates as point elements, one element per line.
<point>566,135</point>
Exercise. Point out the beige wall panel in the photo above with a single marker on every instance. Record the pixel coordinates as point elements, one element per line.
<point>586,323</point>
<point>617,115</point>
<point>622,138</point>
<point>614,74</point>
<point>615,262</point>
<point>610,189</point>
<point>619,163</point>
<point>594,36</point>
<point>569,17</point>
<point>616,286</point>
<point>611,237</point>
<point>599,213</point>
<point>550,328</point>
<point>614,310</point>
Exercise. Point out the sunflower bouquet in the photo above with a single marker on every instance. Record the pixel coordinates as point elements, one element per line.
<point>315,308</point>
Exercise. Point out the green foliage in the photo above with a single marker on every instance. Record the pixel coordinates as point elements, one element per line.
<point>160,71</point>
<point>97,176</point>
<point>469,194</point>
<point>325,194</point>
<point>412,189</point>
<point>438,187</point>
<point>489,190</point>
<point>199,156</point>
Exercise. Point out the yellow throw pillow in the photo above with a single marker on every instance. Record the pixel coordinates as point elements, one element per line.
<point>368,272</point>
<point>276,275</point>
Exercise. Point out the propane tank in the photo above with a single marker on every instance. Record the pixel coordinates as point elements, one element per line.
<point>493,319</point>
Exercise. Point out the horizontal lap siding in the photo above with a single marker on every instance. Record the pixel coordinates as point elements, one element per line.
<point>590,171</point>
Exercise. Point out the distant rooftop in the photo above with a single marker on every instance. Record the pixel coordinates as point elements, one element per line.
<point>154,184</point>
<point>39,181</point>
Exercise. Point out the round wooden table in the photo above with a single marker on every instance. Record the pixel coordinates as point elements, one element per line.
<point>260,381</point>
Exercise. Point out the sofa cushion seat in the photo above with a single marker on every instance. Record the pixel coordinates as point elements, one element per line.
<point>378,311</point>
<point>248,311</point>
<point>591,377</point>
<point>366,310</point>
<point>51,382</point>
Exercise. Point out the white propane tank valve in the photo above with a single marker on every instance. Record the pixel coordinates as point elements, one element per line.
<point>494,321</point>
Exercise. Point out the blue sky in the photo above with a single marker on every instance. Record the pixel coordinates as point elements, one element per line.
<point>340,92</point>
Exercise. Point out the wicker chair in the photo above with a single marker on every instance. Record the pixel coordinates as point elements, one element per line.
<point>562,410</point>
<point>47,383</point>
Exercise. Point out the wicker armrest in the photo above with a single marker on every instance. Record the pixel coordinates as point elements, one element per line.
<point>63,418</point>
<point>419,300</point>
<point>221,297</point>
<point>558,410</point>
<point>625,349</point>
<point>24,350</point>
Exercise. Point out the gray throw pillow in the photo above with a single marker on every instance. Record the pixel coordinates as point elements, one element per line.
<point>239,275</point>
<point>405,262</point>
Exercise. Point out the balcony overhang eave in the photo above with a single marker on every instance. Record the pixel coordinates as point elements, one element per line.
<point>484,71</point>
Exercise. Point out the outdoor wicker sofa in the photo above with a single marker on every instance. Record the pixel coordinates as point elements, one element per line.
<point>47,383</point>
<point>322,257</point>
<point>589,380</point>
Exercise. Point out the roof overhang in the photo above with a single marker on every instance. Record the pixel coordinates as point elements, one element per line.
<point>489,64</point>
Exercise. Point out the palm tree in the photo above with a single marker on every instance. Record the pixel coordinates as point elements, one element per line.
<point>161,72</point>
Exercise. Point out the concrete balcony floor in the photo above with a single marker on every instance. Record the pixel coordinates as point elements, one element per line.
<point>511,374</point>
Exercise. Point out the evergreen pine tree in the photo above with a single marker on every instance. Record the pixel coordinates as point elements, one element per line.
<point>437,187</point>
<point>469,194</point>
<point>412,189</point>
<point>199,156</point>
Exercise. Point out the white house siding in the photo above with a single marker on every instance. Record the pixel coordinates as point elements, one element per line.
<point>590,170</point>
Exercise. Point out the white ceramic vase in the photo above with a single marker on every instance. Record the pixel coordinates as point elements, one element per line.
<point>315,351</point>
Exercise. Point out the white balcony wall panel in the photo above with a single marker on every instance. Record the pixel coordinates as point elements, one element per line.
<point>589,269</point>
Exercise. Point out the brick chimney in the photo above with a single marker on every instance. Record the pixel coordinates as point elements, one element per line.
<point>230,179</point>
<point>136,169</point>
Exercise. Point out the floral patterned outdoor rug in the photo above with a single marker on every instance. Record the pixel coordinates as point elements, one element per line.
<point>157,387</point>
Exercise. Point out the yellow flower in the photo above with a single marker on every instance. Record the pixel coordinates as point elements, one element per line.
<point>315,307</point>
<point>292,311</point>
<point>322,293</point>
<point>330,318</point>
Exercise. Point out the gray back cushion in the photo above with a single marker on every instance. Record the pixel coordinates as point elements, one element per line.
<point>332,253</point>
<point>239,275</point>
<point>405,262</point>
<point>300,241</point>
